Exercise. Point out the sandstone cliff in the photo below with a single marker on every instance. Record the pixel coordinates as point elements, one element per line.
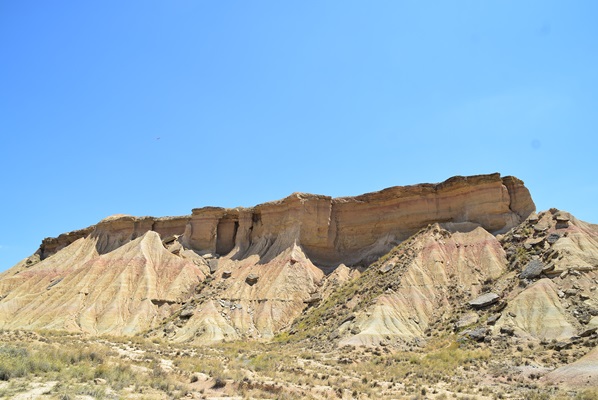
<point>331,231</point>
<point>358,229</point>
<point>467,259</point>
<point>251,272</point>
<point>126,274</point>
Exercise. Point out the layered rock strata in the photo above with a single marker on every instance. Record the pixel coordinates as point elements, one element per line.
<point>251,272</point>
<point>429,278</point>
<point>358,229</point>
<point>331,231</point>
<point>124,291</point>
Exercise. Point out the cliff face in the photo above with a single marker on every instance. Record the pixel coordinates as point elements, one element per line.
<point>331,231</point>
<point>251,272</point>
<point>358,229</point>
<point>396,269</point>
<point>114,231</point>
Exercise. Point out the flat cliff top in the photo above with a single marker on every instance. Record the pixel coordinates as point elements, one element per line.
<point>394,191</point>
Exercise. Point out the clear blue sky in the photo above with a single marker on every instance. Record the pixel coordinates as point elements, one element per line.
<point>154,108</point>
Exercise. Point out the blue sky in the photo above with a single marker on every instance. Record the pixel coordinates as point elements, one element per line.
<point>154,108</point>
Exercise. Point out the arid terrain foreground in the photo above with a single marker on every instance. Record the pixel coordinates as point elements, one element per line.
<point>433,291</point>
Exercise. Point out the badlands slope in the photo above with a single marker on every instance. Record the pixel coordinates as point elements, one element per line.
<point>395,268</point>
<point>126,275</point>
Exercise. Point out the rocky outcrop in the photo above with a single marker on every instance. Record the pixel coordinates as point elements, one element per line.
<point>465,260</point>
<point>543,245</point>
<point>350,230</point>
<point>114,231</point>
<point>52,245</point>
<point>484,300</point>
<point>251,272</point>
<point>354,230</point>
<point>520,200</point>
<point>438,279</point>
<point>433,270</point>
<point>254,300</point>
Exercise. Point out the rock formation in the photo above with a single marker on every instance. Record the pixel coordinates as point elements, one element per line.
<point>390,267</point>
<point>358,229</point>
<point>82,289</point>
<point>467,259</point>
<point>433,268</point>
<point>125,274</point>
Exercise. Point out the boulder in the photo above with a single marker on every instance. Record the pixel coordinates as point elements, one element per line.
<point>225,303</point>
<point>478,334</point>
<point>588,332</point>
<point>251,279</point>
<point>552,238</point>
<point>54,283</point>
<point>386,267</point>
<point>562,217</point>
<point>484,300</point>
<point>533,217</point>
<point>169,240</point>
<point>562,221</point>
<point>532,270</point>
<point>549,269</point>
<point>534,241</point>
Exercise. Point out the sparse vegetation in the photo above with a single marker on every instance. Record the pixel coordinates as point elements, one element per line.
<point>458,350</point>
<point>109,368</point>
<point>76,367</point>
